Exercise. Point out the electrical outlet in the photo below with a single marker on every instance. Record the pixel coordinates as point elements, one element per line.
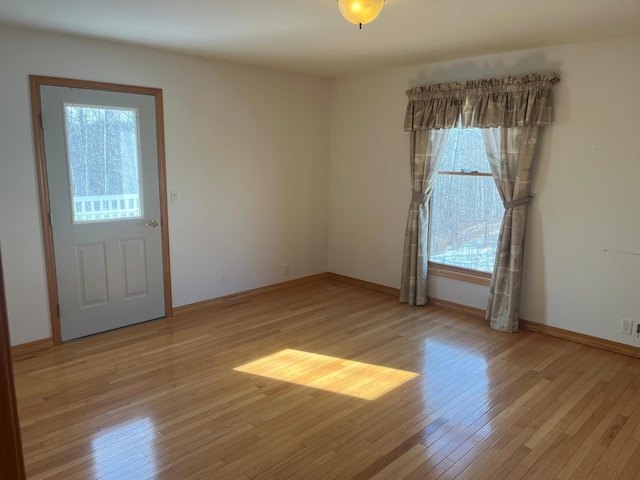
<point>285,269</point>
<point>626,326</point>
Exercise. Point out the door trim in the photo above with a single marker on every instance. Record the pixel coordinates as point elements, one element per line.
<point>11,445</point>
<point>38,135</point>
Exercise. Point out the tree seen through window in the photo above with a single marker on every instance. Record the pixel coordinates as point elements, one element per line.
<point>466,209</point>
<point>103,159</point>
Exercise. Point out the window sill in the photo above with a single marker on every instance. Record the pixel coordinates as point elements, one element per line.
<point>471,276</point>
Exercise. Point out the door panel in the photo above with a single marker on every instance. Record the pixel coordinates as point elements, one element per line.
<point>134,259</point>
<point>102,176</point>
<point>92,275</point>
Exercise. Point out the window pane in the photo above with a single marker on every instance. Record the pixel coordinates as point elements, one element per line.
<point>466,210</point>
<point>465,152</point>
<point>466,216</point>
<point>104,170</point>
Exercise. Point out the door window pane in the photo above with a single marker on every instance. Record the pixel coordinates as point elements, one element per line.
<point>104,166</point>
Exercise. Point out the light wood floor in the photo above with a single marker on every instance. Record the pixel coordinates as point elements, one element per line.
<point>163,401</point>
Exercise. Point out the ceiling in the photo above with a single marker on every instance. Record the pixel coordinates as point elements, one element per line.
<point>310,36</point>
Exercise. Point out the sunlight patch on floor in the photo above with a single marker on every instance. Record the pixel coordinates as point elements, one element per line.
<point>346,377</point>
<point>126,451</point>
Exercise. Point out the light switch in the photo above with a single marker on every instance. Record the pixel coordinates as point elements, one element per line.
<point>175,198</point>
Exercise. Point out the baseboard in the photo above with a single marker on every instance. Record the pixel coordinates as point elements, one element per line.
<point>24,350</point>
<point>235,297</point>
<point>434,302</point>
<point>456,307</point>
<point>528,325</point>
<point>581,338</point>
<point>364,284</point>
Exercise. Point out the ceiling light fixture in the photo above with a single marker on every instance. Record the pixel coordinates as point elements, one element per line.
<point>360,12</point>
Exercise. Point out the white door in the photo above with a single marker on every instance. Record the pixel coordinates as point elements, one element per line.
<point>102,173</point>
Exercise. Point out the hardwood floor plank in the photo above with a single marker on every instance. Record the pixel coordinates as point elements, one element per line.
<point>168,399</point>
<point>631,471</point>
<point>583,451</point>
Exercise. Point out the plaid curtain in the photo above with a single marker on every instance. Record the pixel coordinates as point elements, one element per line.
<point>510,111</point>
<point>427,148</point>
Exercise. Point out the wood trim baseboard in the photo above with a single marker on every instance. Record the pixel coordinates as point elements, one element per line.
<point>528,325</point>
<point>434,302</point>
<point>19,352</point>
<point>581,338</point>
<point>364,284</point>
<point>456,307</point>
<point>235,297</point>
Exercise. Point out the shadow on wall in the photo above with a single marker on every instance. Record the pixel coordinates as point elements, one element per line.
<point>493,66</point>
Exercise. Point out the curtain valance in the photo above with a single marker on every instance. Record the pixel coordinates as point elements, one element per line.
<point>507,102</point>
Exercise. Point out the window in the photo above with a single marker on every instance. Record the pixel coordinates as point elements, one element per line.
<point>466,209</point>
<point>104,167</point>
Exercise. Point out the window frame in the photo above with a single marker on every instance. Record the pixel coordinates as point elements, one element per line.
<point>458,273</point>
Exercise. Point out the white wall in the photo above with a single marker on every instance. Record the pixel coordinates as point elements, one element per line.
<point>247,148</point>
<point>582,266</point>
<point>253,153</point>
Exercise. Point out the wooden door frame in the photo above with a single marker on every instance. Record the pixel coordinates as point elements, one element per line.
<point>11,445</point>
<point>36,116</point>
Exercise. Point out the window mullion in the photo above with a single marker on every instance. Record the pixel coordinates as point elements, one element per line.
<point>470,174</point>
